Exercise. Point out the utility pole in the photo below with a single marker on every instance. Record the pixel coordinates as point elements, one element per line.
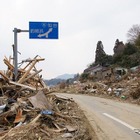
<point>15,59</point>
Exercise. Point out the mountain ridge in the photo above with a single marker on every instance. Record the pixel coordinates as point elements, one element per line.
<point>65,76</point>
<point>59,79</point>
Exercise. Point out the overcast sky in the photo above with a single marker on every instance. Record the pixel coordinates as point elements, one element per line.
<point>82,23</point>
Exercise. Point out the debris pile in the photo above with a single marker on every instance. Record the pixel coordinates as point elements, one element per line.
<point>126,88</point>
<point>28,111</point>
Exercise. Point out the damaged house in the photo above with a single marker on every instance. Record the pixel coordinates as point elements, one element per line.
<point>99,72</point>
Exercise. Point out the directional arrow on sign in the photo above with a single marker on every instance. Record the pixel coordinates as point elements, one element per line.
<point>46,34</point>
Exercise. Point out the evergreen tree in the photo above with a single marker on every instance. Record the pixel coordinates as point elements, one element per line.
<point>130,49</point>
<point>119,47</point>
<point>100,53</point>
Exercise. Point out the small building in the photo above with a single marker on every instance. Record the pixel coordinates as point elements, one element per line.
<point>93,70</point>
<point>99,72</point>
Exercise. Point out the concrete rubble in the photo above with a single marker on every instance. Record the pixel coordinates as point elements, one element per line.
<point>28,111</point>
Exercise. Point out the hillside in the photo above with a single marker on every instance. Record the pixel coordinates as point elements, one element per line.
<point>53,82</point>
<point>59,79</point>
<point>65,76</point>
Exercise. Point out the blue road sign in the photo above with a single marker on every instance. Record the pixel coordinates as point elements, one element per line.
<point>43,30</point>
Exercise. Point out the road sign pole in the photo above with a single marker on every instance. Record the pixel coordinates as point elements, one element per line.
<point>40,30</point>
<point>15,55</point>
<point>15,59</point>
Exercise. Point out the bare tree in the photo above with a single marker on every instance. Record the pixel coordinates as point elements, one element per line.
<point>134,34</point>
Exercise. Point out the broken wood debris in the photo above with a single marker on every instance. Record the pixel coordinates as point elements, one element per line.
<point>28,76</point>
<point>27,117</point>
<point>28,111</point>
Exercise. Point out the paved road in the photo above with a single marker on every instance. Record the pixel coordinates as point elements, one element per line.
<point>110,119</point>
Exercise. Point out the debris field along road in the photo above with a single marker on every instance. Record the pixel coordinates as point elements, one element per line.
<point>111,120</point>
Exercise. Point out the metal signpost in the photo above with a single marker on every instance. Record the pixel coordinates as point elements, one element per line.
<point>37,30</point>
<point>16,31</point>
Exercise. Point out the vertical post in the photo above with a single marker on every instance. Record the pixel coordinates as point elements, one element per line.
<point>15,60</point>
<point>15,54</point>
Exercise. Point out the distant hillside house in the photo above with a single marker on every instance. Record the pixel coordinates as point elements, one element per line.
<point>99,72</point>
<point>93,70</point>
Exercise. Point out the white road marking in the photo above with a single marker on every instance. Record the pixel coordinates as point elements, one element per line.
<point>118,120</point>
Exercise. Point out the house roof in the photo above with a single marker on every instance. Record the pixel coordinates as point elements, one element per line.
<point>95,68</point>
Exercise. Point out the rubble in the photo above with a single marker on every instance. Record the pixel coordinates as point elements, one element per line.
<point>125,89</point>
<point>28,111</point>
